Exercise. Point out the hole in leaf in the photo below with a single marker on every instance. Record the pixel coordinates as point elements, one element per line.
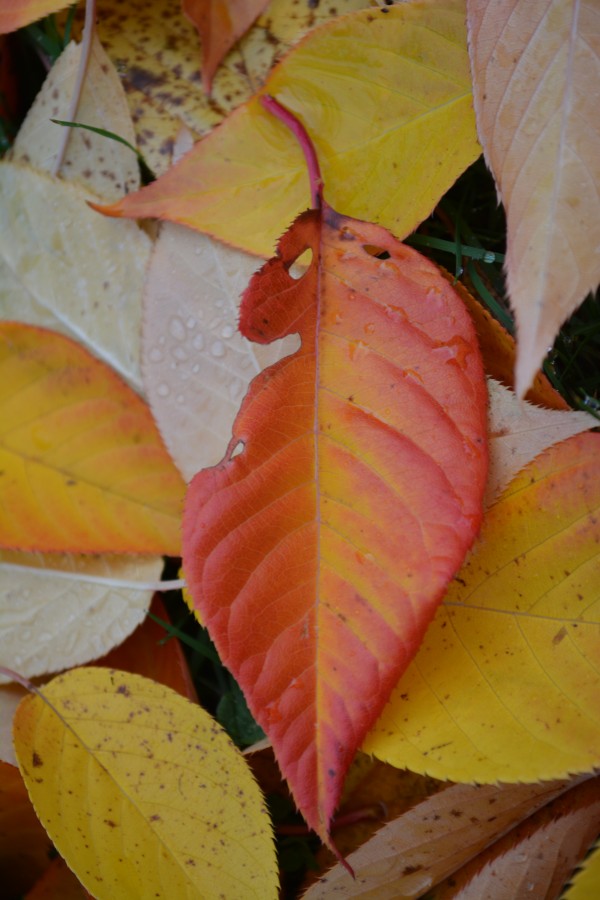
<point>239,448</point>
<point>300,264</point>
<point>377,252</point>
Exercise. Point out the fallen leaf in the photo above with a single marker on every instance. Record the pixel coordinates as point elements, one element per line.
<point>518,432</point>
<point>196,365</point>
<point>411,854</point>
<point>536,858</point>
<point>52,617</point>
<point>353,500</point>
<point>505,686</point>
<point>103,166</point>
<point>18,13</point>
<point>156,52</point>
<point>387,155</point>
<point>83,467</point>
<point>536,71</point>
<point>24,845</point>
<point>145,796</point>
<point>220,24</point>
<point>64,267</point>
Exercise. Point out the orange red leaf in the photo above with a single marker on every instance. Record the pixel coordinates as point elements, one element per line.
<point>318,554</point>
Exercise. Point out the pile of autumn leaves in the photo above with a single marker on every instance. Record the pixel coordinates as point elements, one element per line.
<point>503,685</point>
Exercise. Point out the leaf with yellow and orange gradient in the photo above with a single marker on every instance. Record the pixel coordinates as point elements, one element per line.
<point>18,13</point>
<point>83,467</point>
<point>385,95</point>
<point>141,791</point>
<point>505,684</point>
<point>536,76</point>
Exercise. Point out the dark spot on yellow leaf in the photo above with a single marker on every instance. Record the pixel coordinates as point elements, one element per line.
<point>123,689</point>
<point>559,636</point>
<point>36,759</point>
<point>110,823</point>
<point>141,79</point>
<point>409,870</point>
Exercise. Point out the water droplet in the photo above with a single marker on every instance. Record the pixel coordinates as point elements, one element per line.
<point>226,331</point>
<point>179,353</point>
<point>155,355</point>
<point>163,390</point>
<point>179,398</point>
<point>218,349</point>
<point>177,329</point>
<point>198,342</point>
<point>191,323</point>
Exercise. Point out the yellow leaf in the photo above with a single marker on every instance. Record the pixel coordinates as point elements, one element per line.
<point>158,56</point>
<point>63,266</point>
<point>505,685</point>
<point>104,166</point>
<point>519,431</point>
<point>536,71</point>
<point>83,467</point>
<point>416,850</point>
<point>142,792</point>
<point>62,611</point>
<point>385,95</point>
<point>196,365</point>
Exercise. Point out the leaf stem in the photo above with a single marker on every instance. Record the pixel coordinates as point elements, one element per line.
<point>103,580</point>
<point>19,679</point>
<point>86,47</point>
<point>306,145</point>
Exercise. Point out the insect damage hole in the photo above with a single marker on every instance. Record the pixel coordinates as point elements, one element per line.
<point>239,448</point>
<point>301,264</point>
<point>377,252</point>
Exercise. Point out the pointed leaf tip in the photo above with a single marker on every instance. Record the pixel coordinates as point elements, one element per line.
<point>355,496</point>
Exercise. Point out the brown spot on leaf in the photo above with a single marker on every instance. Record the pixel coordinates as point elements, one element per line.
<point>36,760</point>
